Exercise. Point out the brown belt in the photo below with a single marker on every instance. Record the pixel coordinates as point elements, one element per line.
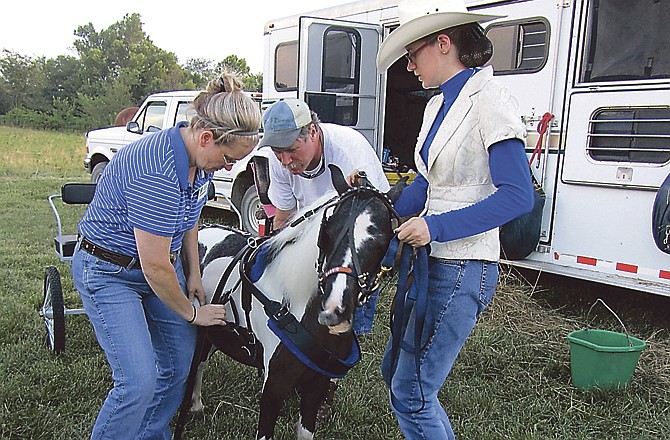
<point>115,257</point>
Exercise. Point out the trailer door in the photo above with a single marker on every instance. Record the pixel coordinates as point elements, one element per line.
<point>337,76</point>
<point>617,142</point>
<point>619,107</point>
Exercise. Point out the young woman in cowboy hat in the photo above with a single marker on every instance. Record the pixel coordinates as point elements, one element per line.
<point>472,178</point>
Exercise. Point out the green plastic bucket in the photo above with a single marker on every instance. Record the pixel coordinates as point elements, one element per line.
<point>603,359</point>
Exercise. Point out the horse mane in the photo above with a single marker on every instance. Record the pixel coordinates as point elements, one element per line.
<point>308,226</point>
<point>294,251</point>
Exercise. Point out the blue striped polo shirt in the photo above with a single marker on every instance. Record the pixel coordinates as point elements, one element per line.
<point>145,186</point>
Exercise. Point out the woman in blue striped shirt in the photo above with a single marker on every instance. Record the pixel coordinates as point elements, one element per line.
<point>144,213</point>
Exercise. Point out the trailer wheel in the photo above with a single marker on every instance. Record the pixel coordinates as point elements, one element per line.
<point>53,310</point>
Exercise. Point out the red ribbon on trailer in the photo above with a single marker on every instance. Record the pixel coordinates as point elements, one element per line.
<point>541,129</point>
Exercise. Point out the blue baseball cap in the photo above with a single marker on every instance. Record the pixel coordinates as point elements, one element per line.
<point>283,121</point>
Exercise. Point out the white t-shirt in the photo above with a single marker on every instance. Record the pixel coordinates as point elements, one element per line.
<point>344,147</point>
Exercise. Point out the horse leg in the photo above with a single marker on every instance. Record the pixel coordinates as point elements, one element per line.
<point>196,398</point>
<point>284,371</point>
<point>273,397</point>
<point>312,393</point>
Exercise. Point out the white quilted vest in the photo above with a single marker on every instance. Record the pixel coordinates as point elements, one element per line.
<point>458,163</point>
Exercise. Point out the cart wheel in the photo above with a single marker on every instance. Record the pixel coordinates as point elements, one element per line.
<point>53,310</point>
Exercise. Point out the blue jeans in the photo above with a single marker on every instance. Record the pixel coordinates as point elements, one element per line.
<point>148,346</point>
<point>365,315</point>
<point>458,291</point>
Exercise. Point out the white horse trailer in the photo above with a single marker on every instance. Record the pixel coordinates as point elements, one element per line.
<point>598,69</point>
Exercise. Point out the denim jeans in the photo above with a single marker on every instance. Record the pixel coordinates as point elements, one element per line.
<point>458,291</point>
<point>365,314</point>
<point>148,346</point>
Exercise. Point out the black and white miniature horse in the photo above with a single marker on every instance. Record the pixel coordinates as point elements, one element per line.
<point>316,268</point>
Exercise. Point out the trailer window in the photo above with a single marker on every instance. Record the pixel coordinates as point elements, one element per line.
<point>286,66</point>
<point>341,73</point>
<point>630,135</point>
<point>519,47</point>
<point>625,40</point>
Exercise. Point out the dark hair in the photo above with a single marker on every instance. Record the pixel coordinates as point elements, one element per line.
<point>474,48</point>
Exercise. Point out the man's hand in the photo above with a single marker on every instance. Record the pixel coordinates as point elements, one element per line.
<point>356,177</point>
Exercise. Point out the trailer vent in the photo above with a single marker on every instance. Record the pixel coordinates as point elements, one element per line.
<point>640,135</point>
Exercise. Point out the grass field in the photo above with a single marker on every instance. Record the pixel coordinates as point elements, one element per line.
<point>512,380</point>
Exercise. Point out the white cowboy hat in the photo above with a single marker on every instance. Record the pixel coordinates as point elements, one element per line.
<point>419,18</point>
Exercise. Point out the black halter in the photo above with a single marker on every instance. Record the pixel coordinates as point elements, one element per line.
<point>367,281</point>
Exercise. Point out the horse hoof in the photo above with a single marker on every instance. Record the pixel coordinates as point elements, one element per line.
<point>303,433</point>
<point>197,406</point>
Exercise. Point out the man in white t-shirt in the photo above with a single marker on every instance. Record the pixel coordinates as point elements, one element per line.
<point>303,148</point>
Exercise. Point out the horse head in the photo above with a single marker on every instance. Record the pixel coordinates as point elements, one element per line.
<point>355,233</point>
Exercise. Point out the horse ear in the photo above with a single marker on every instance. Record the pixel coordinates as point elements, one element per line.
<point>396,190</point>
<point>339,181</point>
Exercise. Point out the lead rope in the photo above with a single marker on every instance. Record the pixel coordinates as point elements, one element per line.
<point>541,130</point>
<point>412,293</point>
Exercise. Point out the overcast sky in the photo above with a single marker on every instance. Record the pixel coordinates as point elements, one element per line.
<point>211,29</point>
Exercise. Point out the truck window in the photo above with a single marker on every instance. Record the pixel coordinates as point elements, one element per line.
<point>152,116</point>
<point>286,66</point>
<point>637,135</point>
<point>624,41</point>
<point>183,109</point>
<point>519,46</point>
<point>341,73</point>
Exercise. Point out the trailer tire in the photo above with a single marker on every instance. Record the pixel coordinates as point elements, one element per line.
<point>250,208</point>
<point>97,171</point>
<point>53,310</point>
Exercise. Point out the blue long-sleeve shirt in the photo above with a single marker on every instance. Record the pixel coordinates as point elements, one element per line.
<point>509,174</point>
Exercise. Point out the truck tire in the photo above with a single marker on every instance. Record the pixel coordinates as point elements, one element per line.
<point>97,171</point>
<point>250,209</point>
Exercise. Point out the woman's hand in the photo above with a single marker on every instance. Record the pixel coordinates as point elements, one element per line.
<point>210,314</point>
<point>414,232</point>
<point>195,289</point>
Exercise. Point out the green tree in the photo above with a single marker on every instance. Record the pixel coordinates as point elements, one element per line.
<point>201,70</point>
<point>23,81</point>
<point>124,48</point>
<point>63,78</point>
<point>120,66</point>
<point>114,68</point>
<point>253,82</point>
<point>233,64</point>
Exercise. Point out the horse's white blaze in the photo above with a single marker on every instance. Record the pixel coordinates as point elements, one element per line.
<point>336,297</point>
<point>361,235</point>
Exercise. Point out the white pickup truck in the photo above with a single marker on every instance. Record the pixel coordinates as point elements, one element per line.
<point>234,189</point>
